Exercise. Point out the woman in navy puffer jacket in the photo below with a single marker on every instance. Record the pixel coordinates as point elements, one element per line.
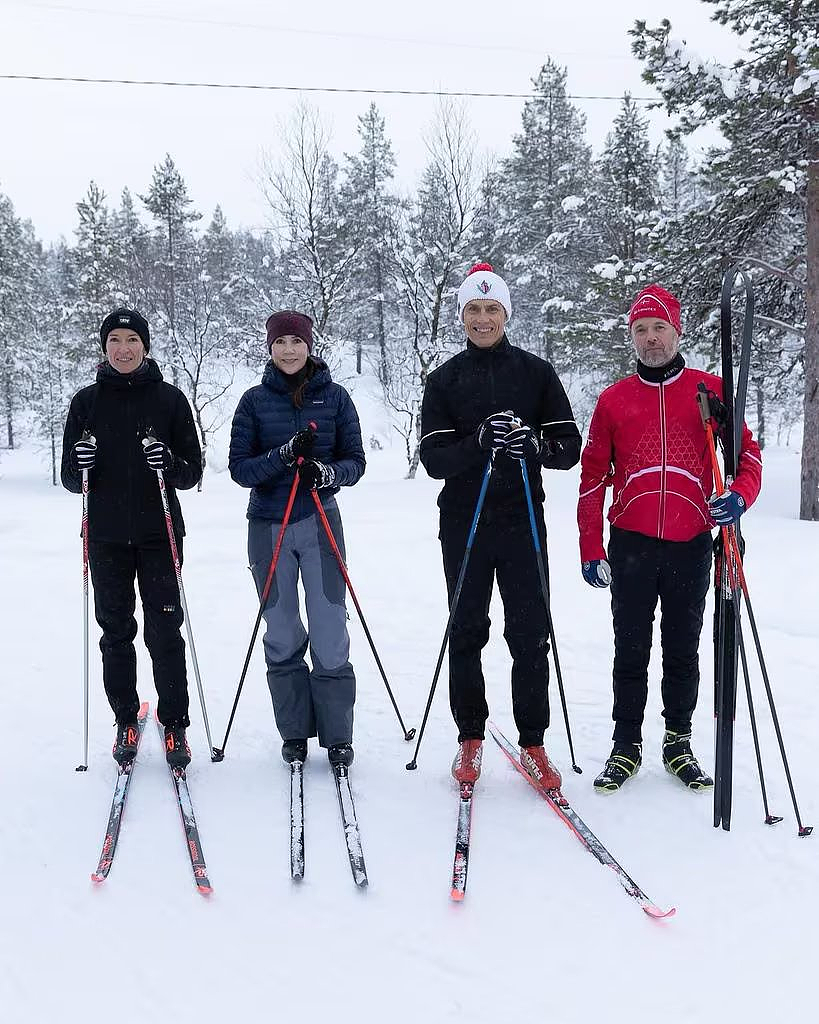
<point>270,432</point>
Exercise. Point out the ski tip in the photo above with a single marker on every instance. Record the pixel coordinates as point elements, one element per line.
<point>143,709</point>
<point>96,879</point>
<point>457,895</point>
<point>656,913</point>
<point>206,890</point>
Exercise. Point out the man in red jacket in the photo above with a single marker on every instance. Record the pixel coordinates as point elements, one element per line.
<point>647,442</point>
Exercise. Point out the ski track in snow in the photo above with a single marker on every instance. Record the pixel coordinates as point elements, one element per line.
<point>543,930</point>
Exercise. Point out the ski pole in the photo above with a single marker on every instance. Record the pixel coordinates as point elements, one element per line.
<point>544,586</point>
<point>413,764</point>
<point>329,531</point>
<point>219,752</point>
<point>738,581</point>
<point>83,765</point>
<point>160,476</point>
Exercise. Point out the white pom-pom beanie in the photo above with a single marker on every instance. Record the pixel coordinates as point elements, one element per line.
<point>482,283</point>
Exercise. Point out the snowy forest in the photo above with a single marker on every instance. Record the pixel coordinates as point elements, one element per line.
<point>575,234</point>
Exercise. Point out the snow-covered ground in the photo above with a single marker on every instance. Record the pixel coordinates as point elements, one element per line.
<point>544,931</point>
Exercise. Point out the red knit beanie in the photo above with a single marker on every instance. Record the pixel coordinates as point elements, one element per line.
<point>288,321</point>
<point>656,302</point>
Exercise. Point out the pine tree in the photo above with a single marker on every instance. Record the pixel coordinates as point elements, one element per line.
<point>95,288</point>
<point>543,186</point>
<point>131,254</point>
<point>168,200</point>
<point>372,211</point>
<point>766,185</point>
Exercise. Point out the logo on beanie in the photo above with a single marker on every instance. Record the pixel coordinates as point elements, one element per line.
<point>484,286</point>
<point>124,319</point>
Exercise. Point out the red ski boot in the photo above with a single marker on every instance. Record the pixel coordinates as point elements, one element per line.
<point>467,764</point>
<point>538,765</point>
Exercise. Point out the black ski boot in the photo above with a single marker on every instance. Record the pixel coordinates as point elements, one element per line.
<point>177,751</point>
<point>679,760</point>
<point>294,750</point>
<point>341,753</point>
<point>624,761</point>
<point>125,743</point>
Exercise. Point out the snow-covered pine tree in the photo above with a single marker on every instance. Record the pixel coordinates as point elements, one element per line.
<point>20,259</point>
<point>543,244</point>
<point>626,203</point>
<point>131,253</point>
<point>767,106</point>
<point>372,211</point>
<point>168,201</point>
<point>95,290</point>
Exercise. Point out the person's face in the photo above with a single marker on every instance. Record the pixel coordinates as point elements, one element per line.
<point>289,353</point>
<point>125,350</point>
<point>484,320</point>
<point>655,340</point>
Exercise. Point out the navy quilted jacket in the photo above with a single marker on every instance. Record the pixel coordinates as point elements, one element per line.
<point>266,418</point>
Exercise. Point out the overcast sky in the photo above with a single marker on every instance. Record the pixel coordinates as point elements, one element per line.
<point>56,137</point>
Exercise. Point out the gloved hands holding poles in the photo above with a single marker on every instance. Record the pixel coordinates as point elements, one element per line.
<point>316,474</point>
<point>85,453</point>
<point>727,508</point>
<point>491,433</point>
<point>157,455</point>
<point>505,432</point>
<point>300,446</point>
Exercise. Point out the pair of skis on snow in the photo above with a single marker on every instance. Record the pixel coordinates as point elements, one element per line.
<point>569,817</point>
<point>180,782</point>
<point>352,834</point>
<point>200,872</point>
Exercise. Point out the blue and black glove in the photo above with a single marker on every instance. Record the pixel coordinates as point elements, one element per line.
<point>727,508</point>
<point>597,572</point>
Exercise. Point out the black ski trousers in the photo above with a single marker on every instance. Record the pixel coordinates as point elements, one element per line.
<point>643,570</point>
<point>503,547</point>
<point>113,568</point>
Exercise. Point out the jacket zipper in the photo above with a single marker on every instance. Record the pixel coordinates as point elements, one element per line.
<point>663,464</point>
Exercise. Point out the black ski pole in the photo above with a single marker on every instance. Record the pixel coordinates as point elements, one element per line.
<point>83,765</point>
<point>413,764</point>
<point>219,752</point>
<point>544,586</point>
<point>337,552</point>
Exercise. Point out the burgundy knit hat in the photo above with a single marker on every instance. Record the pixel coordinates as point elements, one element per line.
<point>288,321</point>
<point>656,302</point>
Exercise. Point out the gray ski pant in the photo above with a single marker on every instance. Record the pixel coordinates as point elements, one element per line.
<point>306,702</point>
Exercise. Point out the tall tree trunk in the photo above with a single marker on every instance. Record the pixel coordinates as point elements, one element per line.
<point>9,411</point>
<point>809,498</point>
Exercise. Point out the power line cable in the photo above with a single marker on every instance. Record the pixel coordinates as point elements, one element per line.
<point>307,88</point>
<point>289,30</point>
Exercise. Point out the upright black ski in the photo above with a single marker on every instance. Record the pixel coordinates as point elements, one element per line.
<point>462,837</point>
<point>192,841</point>
<point>352,835</point>
<point>109,845</point>
<point>297,820</point>
<point>726,648</point>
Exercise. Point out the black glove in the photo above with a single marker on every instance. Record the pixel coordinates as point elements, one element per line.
<point>521,443</point>
<point>158,455</point>
<point>493,430</point>
<point>316,474</point>
<point>300,446</point>
<point>85,453</point>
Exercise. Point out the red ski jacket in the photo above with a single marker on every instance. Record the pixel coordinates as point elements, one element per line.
<point>647,442</point>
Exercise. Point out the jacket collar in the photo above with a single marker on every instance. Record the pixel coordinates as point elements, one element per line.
<point>661,374</point>
<point>277,381</point>
<point>499,350</point>
<point>147,373</point>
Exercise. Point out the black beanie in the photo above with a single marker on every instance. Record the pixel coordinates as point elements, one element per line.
<point>126,318</point>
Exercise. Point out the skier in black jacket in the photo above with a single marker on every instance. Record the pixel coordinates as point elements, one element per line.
<point>494,399</point>
<point>127,537</point>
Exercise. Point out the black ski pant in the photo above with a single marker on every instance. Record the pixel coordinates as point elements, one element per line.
<point>643,570</point>
<point>113,568</point>
<point>503,547</point>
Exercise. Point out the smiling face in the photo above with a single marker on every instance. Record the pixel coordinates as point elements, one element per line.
<point>655,340</point>
<point>125,350</point>
<point>289,353</point>
<point>484,321</point>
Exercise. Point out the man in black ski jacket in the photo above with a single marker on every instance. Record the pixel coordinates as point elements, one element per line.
<point>495,400</point>
<point>104,432</point>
